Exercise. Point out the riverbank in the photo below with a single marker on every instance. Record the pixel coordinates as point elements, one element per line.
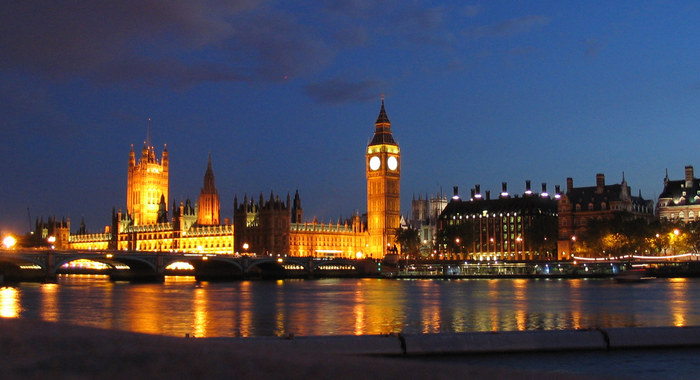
<point>37,350</point>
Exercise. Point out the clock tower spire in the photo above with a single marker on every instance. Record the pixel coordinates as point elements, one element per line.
<point>383,168</point>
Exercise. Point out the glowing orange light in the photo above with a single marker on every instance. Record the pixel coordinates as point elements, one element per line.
<point>9,241</point>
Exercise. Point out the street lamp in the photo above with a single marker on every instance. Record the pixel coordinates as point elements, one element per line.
<point>9,241</point>
<point>676,232</point>
<point>459,246</point>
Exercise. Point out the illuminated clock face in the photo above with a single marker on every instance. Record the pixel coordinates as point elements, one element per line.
<point>374,163</point>
<point>392,163</point>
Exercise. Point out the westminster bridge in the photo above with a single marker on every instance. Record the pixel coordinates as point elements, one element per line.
<point>45,265</point>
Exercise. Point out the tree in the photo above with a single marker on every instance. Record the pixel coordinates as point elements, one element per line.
<point>692,229</point>
<point>457,238</point>
<point>617,236</point>
<point>541,235</point>
<point>409,240</point>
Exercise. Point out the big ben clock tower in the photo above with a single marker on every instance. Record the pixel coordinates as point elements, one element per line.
<point>383,176</point>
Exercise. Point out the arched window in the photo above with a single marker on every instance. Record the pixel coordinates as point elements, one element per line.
<point>602,205</point>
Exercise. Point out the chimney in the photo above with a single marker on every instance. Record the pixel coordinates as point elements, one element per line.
<point>544,190</point>
<point>569,184</point>
<point>455,195</point>
<point>688,177</point>
<point>488,195</point>
<point>504,190</point>
<point>477,191</point>
<point>528,188</point>
<point>599,182</point>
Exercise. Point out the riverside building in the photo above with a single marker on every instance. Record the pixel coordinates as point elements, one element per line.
<point>580,205</point>
<point>509,227</point>
<point>680,199</point>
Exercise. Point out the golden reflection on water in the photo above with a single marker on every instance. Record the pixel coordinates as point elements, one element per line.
<point>201,317</point>
<point>383,311</point>
<point>352,306</point>
<point>9,302</point>
<point>520,303</point>
<point>49,302</point>
<point>575,302</point>
<point>245,325</point>
<point>142,303</point>
<point>359,312</point>
<point>678,300</point>
<point>430,293</point>
<point>494,294</point>
<point>280,309</point>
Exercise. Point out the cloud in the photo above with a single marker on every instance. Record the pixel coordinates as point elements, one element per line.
<point>277,46</point>
<point>508,28</point>
<point>424,25</point>
<point>340,91</point>
<point>156,41</point>
<point>64,37</point>
<point>141,72</point>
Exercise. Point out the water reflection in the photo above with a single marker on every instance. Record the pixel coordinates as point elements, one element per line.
<point>181,305</point>
<point>9,302</point>
<point>678,301</point>
<point>49,304</point>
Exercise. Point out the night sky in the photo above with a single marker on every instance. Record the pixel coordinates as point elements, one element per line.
<point>285,98</point>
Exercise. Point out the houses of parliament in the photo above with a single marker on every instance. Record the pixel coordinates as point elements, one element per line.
<point>266,225</point>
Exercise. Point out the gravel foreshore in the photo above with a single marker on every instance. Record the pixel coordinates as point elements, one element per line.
<point>31,349</point>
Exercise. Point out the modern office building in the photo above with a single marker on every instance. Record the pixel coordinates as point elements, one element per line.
<point>509,227</point>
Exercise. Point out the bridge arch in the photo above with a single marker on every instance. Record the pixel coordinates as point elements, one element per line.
<point>134,263</point>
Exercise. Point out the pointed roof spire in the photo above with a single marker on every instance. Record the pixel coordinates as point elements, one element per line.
<point>382,118</point>
<point>209,186</point>
<point>382,131</point>
<point>148,133</point>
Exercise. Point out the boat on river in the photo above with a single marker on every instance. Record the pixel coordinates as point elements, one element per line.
<point>633,275</point>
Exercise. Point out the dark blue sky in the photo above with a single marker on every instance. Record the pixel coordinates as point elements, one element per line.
<point>285,97</point>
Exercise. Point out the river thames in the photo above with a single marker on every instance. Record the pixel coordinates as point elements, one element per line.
<point>181,305</point>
